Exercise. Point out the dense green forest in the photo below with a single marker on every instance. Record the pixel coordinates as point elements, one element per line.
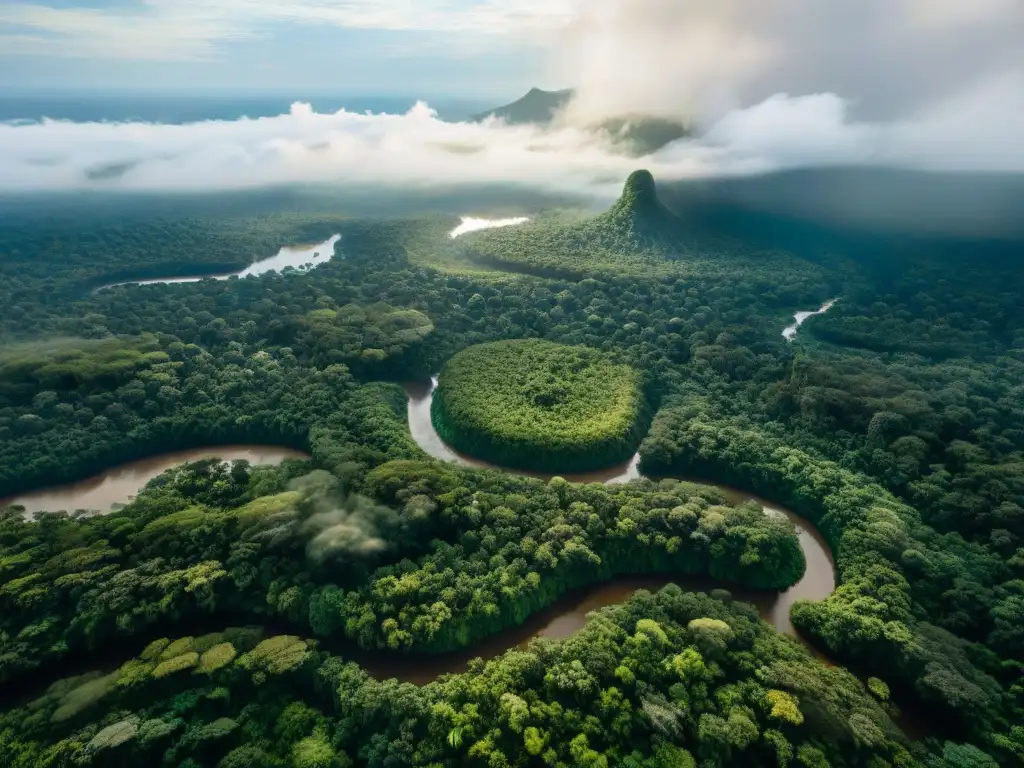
<point>536,405</point>
<point>637,236</point>
<point>894,423</point>
<point>663,680</point>
<point>409,555</point>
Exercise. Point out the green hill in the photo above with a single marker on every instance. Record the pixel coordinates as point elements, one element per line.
<point>637,235</point>
<point>639,216</point>
<point>637,232</point>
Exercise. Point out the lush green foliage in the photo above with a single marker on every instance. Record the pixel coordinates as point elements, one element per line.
<point>182,397</point>
<point>894,422</point>
<point>452,558</point>
<point>642,685</point>
<point>537,405</point>
<point>367,339</point>
<point>66,363</point>
<point>638,235</point>
<point>899,577</point>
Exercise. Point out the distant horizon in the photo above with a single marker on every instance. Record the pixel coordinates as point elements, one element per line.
<point>177,107</point>
<point>297,93</point>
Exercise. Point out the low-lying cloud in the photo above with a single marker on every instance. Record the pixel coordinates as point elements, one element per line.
<point>418,149</point>
<point>927,84</point>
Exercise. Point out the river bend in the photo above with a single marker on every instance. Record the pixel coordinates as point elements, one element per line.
<point>563,618</point>
<point>818,582</point>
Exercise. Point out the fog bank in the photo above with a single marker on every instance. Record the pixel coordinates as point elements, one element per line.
<point>418,149</point>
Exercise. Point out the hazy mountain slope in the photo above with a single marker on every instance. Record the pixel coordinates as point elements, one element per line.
<point>638,234</point>
<point>635,134</point>
<point>537,106</point>
<point>639,216</point>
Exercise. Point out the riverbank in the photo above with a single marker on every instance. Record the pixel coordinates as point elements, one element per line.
<point>567,615</point>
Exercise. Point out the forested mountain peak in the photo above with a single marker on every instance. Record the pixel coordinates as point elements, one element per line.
<point>640,188</point>
<point>639,213</point>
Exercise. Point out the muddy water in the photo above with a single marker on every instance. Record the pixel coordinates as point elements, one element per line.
<point>569,615</point>
<point>565,617</point>
<point>789,333</point>
<point>118,485</point>
<point>290,256</point>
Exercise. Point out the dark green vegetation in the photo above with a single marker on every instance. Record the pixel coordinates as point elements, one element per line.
<point>637,236</point>
<point>369,340</point>
<point>536,405</point>
<point>904,587</point>
<point>894,422</point>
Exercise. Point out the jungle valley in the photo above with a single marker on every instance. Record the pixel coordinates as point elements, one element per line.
<point>676,484</point>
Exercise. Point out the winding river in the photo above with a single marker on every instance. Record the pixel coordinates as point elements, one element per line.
<point>569,614</point>
<point>296,256</point>
<point>559,620</point>
<point>105,492</point>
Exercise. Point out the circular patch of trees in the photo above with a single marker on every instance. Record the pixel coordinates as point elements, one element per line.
<point>533,404</point>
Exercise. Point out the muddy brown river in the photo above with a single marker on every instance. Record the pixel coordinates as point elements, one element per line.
<point>563,618</point>
<point>104,492</point>
<point>569,614</point>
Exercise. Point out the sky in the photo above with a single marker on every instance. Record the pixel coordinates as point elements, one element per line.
<point>883,55</point>
<point>418,47</point>
<point>765,85</point>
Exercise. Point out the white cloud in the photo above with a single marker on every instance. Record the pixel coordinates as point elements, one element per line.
<point>418,149</point>
<point>154,33</point>
<point>700,58</point>
<point>193,30</point>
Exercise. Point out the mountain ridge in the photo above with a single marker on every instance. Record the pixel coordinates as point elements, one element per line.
<point>537,106</point>
<point>636,135</point>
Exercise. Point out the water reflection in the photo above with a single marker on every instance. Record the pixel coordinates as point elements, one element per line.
<point>470,224</point>
<point>297,256</point>
<point>789,332</point>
